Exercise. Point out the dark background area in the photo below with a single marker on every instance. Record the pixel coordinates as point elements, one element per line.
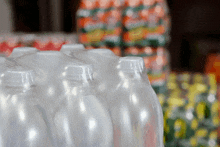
<point>195,27</point>
<point>195,32</point>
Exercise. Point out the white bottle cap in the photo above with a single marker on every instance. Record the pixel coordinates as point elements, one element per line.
<point>19,77</point>
<point>131,64</point>
<point>19,51</point>
<point>72,47</point>
<point>78,72</point>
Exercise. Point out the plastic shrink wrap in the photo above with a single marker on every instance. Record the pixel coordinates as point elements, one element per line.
<point>77,97</point>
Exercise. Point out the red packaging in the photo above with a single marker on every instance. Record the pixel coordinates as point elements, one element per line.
<point>132,3</point>
<point>116,51</point>
<point>1,43</point>
<point>42,42</point>
<point>56,42</point>
<point>213,66</point>
<point>88,4</point>
<point>116,3</point>
<point>11,42</point>
<point>103,4</point>
<point>132,51</point>
<point>148,2</point>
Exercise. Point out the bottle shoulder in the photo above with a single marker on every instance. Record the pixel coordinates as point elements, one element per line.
<point>84,116</point>
<point>22,119</point>
<point>134,97</point>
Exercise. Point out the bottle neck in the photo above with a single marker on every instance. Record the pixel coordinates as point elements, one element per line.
<point>77,87</point>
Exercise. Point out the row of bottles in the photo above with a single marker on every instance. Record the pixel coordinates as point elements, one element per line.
<point>79,98</point>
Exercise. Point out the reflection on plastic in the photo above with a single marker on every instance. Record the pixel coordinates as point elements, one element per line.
<point>86,99</point>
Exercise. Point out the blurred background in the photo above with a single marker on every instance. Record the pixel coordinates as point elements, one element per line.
<point>195,25</point>
<point>180,48</point>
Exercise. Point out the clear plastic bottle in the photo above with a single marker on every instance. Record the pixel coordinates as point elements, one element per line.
<point>144,78</point>
<point>20,51</point>
<point>133,108</point>
<point>6,63</point>
<point>49,67</point>
<point>104,63</point>
<point>81,119</point>
<point>103,60</point>
<point>107,77</point>
<point>21,123</point>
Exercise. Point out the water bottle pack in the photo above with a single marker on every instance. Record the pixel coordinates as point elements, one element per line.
<point>77,98</point>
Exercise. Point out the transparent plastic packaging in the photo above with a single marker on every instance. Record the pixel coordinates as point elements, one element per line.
<point>104,62</point>
<point>21,122</point>
<point>111,74</point>
<point>20,51</point>
<point>68,49</point>
<point>6,63</point>
<point>49,67</point>
<point>81,98</point>
<point>134,109</point>
<point>81,119</point>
